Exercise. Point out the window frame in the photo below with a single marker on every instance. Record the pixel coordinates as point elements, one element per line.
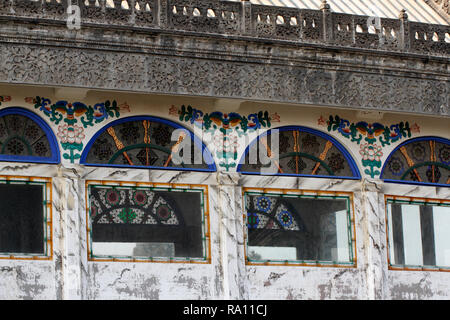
<point>206,226</point>
<point>409,200</point>
<point>306,193</point>
<point>47,219</point>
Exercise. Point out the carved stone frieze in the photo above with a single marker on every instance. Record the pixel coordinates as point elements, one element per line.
<point>289,82</point>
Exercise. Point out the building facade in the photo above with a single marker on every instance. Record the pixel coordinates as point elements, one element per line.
<point>176,149</point>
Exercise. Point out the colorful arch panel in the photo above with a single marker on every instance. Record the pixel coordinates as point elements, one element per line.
<point>25,137</point>
<point>303,152</point>
<point>145,142</point>
<point>424,160</point>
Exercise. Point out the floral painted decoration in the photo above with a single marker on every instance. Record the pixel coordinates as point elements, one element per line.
<point>67,116</point>
<point>375,135</point>
<point>4,99</point>
<point>230,125</point>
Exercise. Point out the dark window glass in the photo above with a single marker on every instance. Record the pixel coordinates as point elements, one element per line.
<point>22,218</point>
<point>298,228</point>
<point>146,222</point>
<point>419,233</point>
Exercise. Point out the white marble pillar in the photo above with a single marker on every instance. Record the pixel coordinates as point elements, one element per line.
<point>68,207</point>
<point>231,235</point>
<point>374,239</point>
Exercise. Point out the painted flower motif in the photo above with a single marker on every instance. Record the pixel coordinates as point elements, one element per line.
<point>40,148</point>
<point>225,143</point>
<point>263,204</point>
<point>102,149</point>
<point>5,98</point>
<point>285,218</point>
<point>71,133</point>
<point>15,123</point>
<point>292,164</point>
<point>310,143</point>
<point>252,220</point>
<point>130,133</point>
<point>140,198</point>
<point>444,154</point>
<point>30,100</point>
<point>336,162</point>
<point>15,146</point>
<point>31,132</point>
<point>415,128</point>
<point>396,166</point>
<point>321,121</point>
<point>418,152</point>
<point>113,197</point>
<point>371,152</point>
<point>163,212</point>
<point>275,117</point>
<point>162,135</point>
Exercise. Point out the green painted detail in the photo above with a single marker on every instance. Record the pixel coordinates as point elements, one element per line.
<point>375,135</point>
<point>127,216</point>
<point>69,113</point>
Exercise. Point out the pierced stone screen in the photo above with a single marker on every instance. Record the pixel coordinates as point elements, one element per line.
<point>22,227</point>
<point>419,233</point>
<point>298,228</point>
<point>146,222</point>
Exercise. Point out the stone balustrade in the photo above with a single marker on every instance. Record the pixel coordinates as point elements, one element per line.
<point>243,19</point>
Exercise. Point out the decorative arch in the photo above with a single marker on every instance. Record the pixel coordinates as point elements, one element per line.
<point>143,142</point>
<point>304,152</point>
<point>423,160</point>
<point>25,137</point>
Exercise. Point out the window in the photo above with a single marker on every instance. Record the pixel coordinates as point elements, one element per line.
<point>424,160</point>
<point>147,142</point>
<point>147,222</point>
<point>299,227</point>
<point>25,137</point>
<point>25,218</point>
<point>418,233</point>
<point>301,152</point>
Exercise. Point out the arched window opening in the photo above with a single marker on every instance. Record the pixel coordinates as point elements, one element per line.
<point>147,142</point>
<point>424,160</point>
<point>301,152</point>
<point>25,137</point>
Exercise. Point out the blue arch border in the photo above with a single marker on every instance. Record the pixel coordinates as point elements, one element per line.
<point>54,159</point>
<point>424,138</point>
<point>208,156</point>
<point>337,144</point>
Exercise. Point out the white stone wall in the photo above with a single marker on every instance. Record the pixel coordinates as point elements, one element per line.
<point>69,274</point>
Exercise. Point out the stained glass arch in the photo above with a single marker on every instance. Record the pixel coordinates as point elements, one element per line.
<point>423,160</point>
<point>145,142</point>
<point>25,137</point>
<point>303,152</point>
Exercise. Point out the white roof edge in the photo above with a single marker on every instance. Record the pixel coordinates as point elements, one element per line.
<point>417,10</point>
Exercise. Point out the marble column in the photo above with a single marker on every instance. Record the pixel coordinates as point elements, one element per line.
<point>231,235</point>
<point>67,204</point>
<point>375,239</point>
